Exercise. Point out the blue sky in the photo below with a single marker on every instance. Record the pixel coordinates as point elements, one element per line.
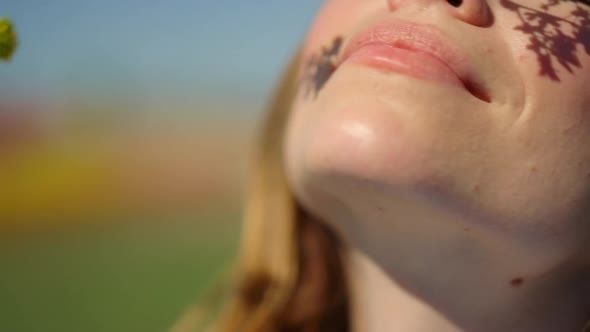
<point>194,49</point>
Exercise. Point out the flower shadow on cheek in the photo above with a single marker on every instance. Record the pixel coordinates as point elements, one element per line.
<point>547,39</point>
<point>320,67</point>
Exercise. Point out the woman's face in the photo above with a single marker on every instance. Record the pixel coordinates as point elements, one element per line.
<point>436,120</point>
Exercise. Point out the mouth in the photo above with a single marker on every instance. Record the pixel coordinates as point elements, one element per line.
<point>416,50</point>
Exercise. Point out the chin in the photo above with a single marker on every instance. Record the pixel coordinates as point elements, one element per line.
<point>366,127</point>
<point>362,138</point>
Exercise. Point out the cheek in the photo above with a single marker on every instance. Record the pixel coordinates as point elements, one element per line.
<point>550,43</point>
<point>553,62</point>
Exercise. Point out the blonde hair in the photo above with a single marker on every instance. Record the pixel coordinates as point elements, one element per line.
<point>289,274</point>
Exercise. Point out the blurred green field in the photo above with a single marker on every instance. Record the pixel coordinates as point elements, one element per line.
<point>126,276</point>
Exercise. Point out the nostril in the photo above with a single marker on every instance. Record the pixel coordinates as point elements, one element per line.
<point>455,3</point>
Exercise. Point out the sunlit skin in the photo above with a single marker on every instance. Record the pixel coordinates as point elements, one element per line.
<point>461,214</point>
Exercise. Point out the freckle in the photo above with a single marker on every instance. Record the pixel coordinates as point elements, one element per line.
<point>533,169</point>
<point>516,282</point>
<point>467,229</point>
<point>476,188</point>
<point>380,208</point>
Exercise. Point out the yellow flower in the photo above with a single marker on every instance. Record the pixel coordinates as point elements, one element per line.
<point>8,40</point>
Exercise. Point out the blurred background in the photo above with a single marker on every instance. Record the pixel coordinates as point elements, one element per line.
<point>125,127</point>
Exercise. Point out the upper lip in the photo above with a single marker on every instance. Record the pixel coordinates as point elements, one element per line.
<point>419,38</point>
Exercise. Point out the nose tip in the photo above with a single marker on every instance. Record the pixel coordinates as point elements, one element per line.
<point>474,12</point>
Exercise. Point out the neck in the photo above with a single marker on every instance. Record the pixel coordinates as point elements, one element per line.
<point>464,301</point>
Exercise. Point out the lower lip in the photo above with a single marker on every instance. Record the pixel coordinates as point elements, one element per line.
<point>413,63</point>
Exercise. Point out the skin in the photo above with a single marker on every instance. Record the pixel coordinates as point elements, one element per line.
<point>460,214</point>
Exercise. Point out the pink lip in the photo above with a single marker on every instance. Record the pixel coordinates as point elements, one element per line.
<point>416,50</point>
